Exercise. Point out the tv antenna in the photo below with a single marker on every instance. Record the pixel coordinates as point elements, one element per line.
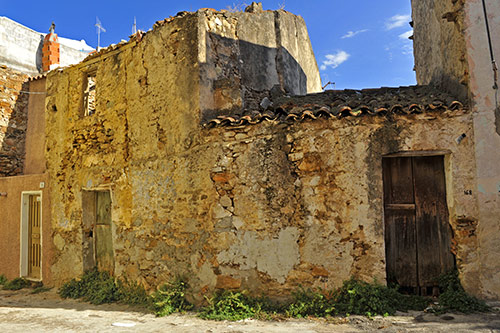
<point>100,28</point>
<point>134,27</point>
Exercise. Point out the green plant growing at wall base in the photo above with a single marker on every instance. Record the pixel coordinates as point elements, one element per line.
<point>454,298</point>
<point>308,302</point>
<point>94,286</point>
<point>16,284</point>
<point>358,297</point>
<point>133,293</point>
<point>230,305</point>
<point>3,279</point>
<point>170,298</point>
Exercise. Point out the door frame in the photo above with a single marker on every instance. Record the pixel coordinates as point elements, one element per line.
<point>94,190</point>
<point>446,154</point>
<point>23,235</point>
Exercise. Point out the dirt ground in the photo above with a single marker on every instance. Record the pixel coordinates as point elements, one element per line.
<point>21,311</point>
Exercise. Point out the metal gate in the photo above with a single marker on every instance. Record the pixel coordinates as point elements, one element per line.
<point>34,238</point>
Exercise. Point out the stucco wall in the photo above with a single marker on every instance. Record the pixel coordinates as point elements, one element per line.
<point>143,91</point>
<point>453,53</point>
<point>487,134</point>
<point>34,162</point>
<point>21,48</point>
<point>10,224</point>
<point>265,207</point>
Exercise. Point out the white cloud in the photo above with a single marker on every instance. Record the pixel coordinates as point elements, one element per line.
<point>350,34</point>
<point>334,60</point>
<point>407,49</point>
<point>397,21</point>
<point>406,35</point>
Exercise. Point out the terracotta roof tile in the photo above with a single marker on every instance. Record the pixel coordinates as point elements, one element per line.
<point>346,103</point>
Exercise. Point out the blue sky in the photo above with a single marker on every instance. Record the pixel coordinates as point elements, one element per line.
<point>357,43</point>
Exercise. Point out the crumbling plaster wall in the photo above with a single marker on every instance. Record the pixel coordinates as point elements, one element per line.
<point>243,55</point>
<point>149,107</point>
<point>451,50</point>
<point>264,207</point>
<point>143,91</point>
<point>439,45</point>
<point>486,110</point>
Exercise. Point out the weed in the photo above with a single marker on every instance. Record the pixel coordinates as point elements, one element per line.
<point>170,298</point>
<point>94,286</point>
<point>133,293</point>
<point>3,280</point>
<point>310,303</point>
<point>16,284</point>
<point>454,298</point>
<point>40,289</point>
<point>230,305</point>
<point>357,297</point>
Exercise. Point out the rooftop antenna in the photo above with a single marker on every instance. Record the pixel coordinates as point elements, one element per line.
<point>99,29</point>
<point>134,27</point>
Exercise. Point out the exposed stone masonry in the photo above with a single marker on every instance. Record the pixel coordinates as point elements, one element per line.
<point>265,207</point>
<point>13,120</point>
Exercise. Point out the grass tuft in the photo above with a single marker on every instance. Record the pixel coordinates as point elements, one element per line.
<point>170,298</point>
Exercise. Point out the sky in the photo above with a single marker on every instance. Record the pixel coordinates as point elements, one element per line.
<point>358,43</point>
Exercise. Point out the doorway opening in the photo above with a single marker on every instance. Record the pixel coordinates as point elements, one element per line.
<point>417,231</point>
<point>31,235</point>
<point>97,237</point>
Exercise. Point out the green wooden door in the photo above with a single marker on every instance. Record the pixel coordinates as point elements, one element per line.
<point>103,233</point>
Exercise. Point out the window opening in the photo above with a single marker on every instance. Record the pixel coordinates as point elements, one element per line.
<point>89,94</point>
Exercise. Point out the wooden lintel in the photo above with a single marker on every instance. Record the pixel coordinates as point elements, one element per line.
<point>410,153</point>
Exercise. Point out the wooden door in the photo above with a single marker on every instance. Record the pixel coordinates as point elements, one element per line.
<point>103,233</point>
<point>417,232</point>
<point>34,237</point>
<point>97,244</point>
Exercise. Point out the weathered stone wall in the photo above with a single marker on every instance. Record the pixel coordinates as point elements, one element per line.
<point>487,135</point>
<point>13,120</point>
<point>244,55</point>
<point>453,53</point>
<point>264,207</point>
<point>143,92</point>
<point>439,45</point>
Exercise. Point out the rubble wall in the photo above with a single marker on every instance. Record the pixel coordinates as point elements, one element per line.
<point>244,55</point>
<point>143,93</point>
<point>13,120</point>
<point>35,132</point>
<point>439,45</point>
<point>265,207</point>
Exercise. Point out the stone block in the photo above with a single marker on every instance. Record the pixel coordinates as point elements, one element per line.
<point>227,282</point>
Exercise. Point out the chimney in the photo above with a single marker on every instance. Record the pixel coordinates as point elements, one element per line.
<point>50,50</point>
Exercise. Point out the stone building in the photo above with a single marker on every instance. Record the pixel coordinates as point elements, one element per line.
<point>455,49</point>
<point>194,150</point>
